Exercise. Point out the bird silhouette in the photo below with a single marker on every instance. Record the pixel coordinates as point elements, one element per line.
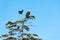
<point>27,14</point>
<point>18,27</point>
<point>21,11</point>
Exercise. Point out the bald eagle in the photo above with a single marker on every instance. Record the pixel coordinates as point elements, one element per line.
<point>27,14</point>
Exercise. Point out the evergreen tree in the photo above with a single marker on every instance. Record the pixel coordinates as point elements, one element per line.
<point>19,27</point>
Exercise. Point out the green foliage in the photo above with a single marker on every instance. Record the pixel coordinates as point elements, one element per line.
<point>32,17</point>
<point>26,27</point>
<point>35,35</point>
<point>4,35</point>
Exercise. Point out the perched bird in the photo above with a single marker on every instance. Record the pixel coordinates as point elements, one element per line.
<point>21,11</point>
<point>27,14</point>
<point>18,27</point>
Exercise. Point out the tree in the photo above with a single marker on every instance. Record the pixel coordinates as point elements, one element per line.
<point>18,27</point>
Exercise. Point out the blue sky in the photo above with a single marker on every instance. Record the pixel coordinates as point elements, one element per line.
<point>47,12</point>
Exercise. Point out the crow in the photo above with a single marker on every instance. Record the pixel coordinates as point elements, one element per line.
<point>27,14</point>
<point>21,11</point>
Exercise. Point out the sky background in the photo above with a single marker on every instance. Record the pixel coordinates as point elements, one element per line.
<point>47,13</point>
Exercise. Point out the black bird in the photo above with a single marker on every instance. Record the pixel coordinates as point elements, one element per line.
<point>21,11</point>
<point>27,14</point>
<point>18,27</point>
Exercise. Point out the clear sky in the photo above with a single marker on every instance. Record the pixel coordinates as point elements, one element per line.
<point>47,12</point>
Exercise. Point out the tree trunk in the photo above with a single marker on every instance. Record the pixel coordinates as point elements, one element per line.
<point>22,30</point>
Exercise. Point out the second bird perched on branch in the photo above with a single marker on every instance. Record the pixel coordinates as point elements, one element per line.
<point>27,14</point>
